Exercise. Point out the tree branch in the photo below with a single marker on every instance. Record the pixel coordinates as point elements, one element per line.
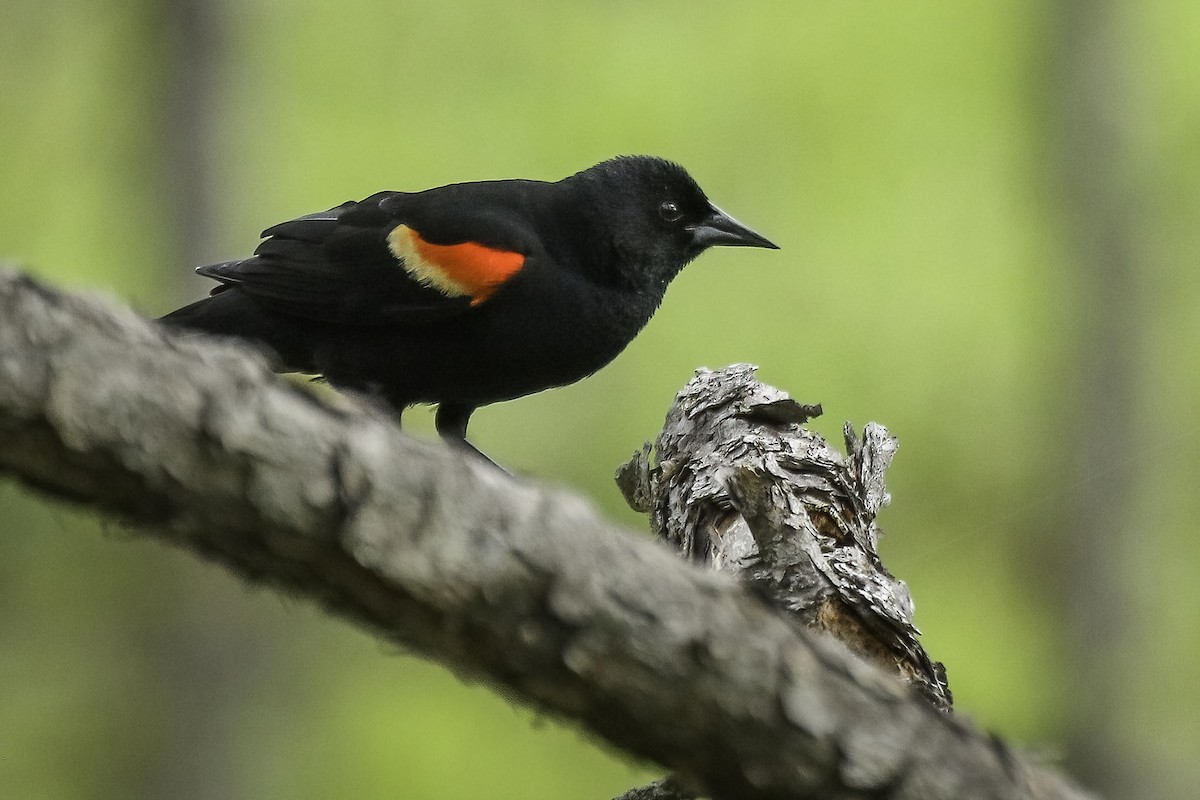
<point>495,577</point>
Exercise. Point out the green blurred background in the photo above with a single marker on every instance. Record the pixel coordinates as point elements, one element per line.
<point>988,214</point>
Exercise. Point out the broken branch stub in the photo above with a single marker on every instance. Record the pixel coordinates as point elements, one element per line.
<point>736,482</point>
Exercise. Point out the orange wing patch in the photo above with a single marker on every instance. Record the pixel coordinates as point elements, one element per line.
<point>469,269</point>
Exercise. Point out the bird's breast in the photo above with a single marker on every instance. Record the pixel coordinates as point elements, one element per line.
<point>562,337</point>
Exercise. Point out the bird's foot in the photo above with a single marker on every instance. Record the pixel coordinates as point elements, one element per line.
<point>464,446</point>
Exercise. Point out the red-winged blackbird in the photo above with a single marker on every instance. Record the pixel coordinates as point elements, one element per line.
<point>471,293</point>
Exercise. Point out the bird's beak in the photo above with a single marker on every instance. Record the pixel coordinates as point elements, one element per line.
<point>721,229</point>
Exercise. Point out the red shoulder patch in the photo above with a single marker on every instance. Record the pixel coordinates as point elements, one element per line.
<point>468,269</point>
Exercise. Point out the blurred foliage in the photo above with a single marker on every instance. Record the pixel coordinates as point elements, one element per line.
<point>899,152</point>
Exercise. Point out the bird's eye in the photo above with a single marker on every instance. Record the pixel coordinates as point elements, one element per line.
<point>669,211</point>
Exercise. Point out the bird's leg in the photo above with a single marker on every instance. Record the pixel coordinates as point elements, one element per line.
<point>451,422</point>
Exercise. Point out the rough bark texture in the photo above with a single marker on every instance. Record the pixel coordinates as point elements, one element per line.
<point>517,585</point>
<point>737,483</point>
<point>666,789</point>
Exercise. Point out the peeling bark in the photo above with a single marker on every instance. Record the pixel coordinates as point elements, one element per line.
<point>736,482</point>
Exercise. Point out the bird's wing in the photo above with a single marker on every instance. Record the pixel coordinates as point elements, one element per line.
<point>358,264</point>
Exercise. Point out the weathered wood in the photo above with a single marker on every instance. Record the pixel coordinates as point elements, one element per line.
<point>735,482</point>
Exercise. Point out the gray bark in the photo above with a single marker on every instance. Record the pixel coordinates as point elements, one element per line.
<point>514,584</point>
<point>666,789</point>
<point>736,482</point>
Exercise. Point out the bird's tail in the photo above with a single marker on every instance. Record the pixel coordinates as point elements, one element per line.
<point>225,313</point>
<point>233,314</point>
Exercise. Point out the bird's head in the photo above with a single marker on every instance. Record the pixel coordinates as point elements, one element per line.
<point>655,217</point>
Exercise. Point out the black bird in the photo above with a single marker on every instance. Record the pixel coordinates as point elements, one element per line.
<point>471,293</point>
